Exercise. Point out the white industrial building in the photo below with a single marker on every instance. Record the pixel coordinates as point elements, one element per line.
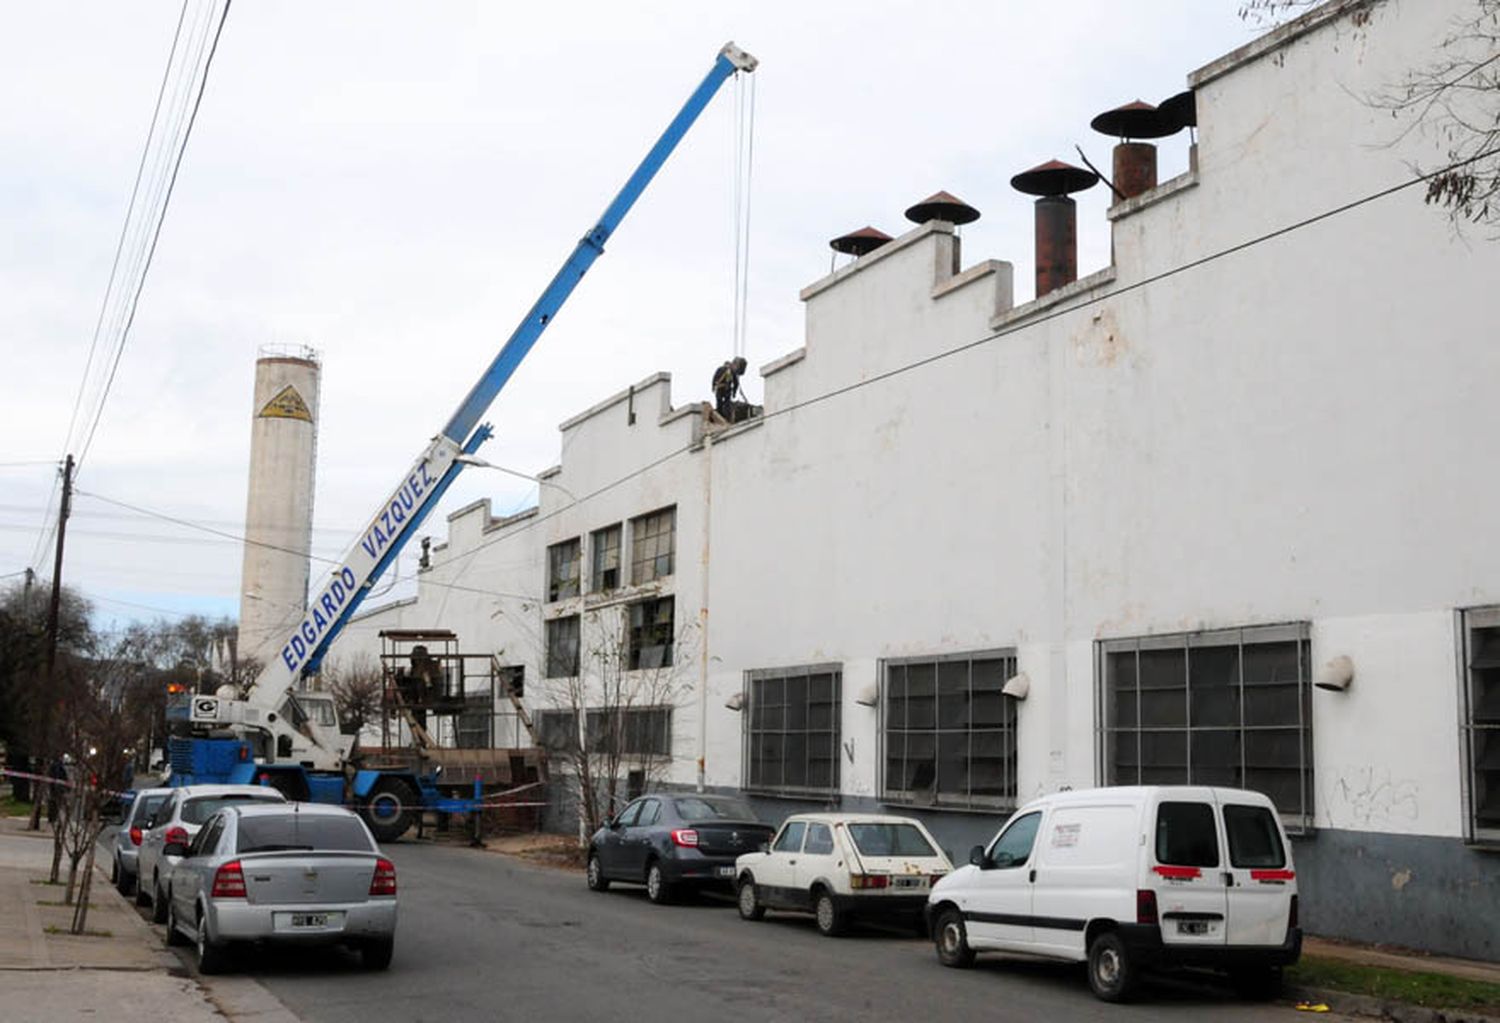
<point>1157,503</point>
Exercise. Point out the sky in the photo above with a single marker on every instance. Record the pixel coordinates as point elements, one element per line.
<point>393,184</point>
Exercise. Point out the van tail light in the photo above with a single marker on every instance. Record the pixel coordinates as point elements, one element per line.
<point>869,881</point>
<point>384,881</point>
<point>135,836</point>
<point>229,882</point>
<point>176,836</point>
<point>685,837</point>
<point>1291,920</point>
<point>1145,906</point>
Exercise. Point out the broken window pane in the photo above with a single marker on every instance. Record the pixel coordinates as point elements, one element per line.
<point>792,730</point>
<point>605,572</point>
<point>563,561</point>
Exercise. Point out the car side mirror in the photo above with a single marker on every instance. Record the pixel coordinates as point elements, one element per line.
<point>613,824</point>
<point>978,858</point>
<point>174,849</point>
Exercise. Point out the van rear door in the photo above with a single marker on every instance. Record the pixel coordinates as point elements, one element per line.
<point>1261,878</point>
<point>1185,871</point>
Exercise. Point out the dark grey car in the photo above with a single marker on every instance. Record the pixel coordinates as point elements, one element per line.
<point>668,842</point>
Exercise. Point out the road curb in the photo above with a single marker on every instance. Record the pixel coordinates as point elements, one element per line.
<point>1381,1008</point>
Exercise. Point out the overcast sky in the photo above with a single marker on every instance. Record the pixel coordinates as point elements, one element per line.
<point>392,184</point>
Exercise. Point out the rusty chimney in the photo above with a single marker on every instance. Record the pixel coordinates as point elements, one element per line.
<point>1056,220</point>
<point>1134,161</point>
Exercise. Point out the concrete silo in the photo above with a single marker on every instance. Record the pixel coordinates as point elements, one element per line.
<point>278,512</point>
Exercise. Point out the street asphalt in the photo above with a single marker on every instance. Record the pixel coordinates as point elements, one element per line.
<point>486,937</point>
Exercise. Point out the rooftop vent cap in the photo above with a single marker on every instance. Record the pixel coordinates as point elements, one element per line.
<point>1054,178</point>
<point>1138,120</point>
<point>943,206</point>
<point>858,243</point>
<point>1179,111</point>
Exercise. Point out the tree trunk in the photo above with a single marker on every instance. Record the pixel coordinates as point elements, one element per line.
<point>81,908</point>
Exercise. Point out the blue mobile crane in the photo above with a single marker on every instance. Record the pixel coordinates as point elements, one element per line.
<point>275,734</point>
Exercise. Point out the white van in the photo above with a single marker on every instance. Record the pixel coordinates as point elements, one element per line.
<point>1130,878</point>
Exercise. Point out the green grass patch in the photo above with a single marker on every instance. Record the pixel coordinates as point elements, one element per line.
<point>1433,990</point>
<point>85,934</point>
<point>10,806</point>
<point>58,902</point>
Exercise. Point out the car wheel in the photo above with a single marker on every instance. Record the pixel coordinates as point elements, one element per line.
<point>114,872</point>
<point>211,957</point>
<point>389,811</point>
<point>174,936</point>
<point>1111,973</point>
<point>124,880</point>
<point>158,903</point>
<point>376,955</point>
<point>749,901</point>
<point>142,897</point>
<point>830,920</point>
<point>952,939</point>
<point>658,889</point>
<point>597,881</point>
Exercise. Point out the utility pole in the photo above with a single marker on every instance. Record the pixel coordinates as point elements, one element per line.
<point>54,613</point>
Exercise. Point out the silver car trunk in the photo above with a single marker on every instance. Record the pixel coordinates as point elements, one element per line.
<point>296,878</point>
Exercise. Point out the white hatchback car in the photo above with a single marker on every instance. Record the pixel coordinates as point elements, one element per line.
<point>842,866</point>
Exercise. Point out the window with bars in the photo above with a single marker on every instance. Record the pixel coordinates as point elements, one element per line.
<point>473,726</point>
<point>649,639</point>
<point>562,647</point>
<point>604,545</point>
<point>1231,707</point>
<point>948,732</point>
<point>792,730</point>
<point>1481,721</point>
<point>652,543</point>
<point>632,731</point>
<point>557,730</point>
<point>562,570</point>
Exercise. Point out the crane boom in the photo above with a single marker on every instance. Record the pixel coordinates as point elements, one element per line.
<point>423,484</point>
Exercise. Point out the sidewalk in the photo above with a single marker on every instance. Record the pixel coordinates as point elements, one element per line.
<point>124,973</point>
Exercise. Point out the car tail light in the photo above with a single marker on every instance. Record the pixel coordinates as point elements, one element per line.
<point>1145,906</point>
<point>869,881</point>
<point>384,881</point>
<point>229,881</point>
<point>135,836</point>
<point>685,836</point>
<point>1291,920</point>
<point>176,836</point>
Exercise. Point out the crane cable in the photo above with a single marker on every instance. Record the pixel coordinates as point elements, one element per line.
<point>744,166</point>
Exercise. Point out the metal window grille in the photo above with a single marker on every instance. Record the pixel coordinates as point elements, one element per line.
<point>557,730</point>
<point>652,543</point>
<point>1231,707</point>
<point>1481,722</point>
<point>473,726</point>
<point>632,731</point>
<point>792,730</point>
<point>948,733</point>
<point>562,647</point>
<point>605,568</point>
<point>562,570</point>
<point>649,641</point>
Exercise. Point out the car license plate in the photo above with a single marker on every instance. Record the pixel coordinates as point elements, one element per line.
<point>309,919</point>
<point>725,871</point>
<point>1192,927</point>
<point>909,882</point>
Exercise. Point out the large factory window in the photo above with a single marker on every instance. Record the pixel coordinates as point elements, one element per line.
<point>562,647</point>
<point>605,545</point>
<point>1231,707</point>
<point>562,570</point>
<point>1481,721</point>
<point>792,730</point>
<point>631,731</point>
<point>652,543</point>
<point>650,635</point>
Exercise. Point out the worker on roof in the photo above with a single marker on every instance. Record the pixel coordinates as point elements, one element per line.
<point>727,386</point>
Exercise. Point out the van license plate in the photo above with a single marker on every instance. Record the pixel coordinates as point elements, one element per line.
<point>309,919</point>
<point>1192,927</point>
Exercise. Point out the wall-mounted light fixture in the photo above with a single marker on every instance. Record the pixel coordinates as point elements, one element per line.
<point>1336,675</point>
<point>869,696</point>
<point>1017,686</point>
<point>736,701</point>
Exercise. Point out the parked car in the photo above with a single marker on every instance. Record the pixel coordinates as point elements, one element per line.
<point>175,822</point>
<point>669,842</point>
<point>294,873</point>
<point>129,834</point>
<point>1129,879</point>
<point>841,867</point>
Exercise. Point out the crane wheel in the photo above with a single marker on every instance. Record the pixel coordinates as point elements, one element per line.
<point>390,809</point>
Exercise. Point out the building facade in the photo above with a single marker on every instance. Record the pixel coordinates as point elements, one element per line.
<point>975,550</point>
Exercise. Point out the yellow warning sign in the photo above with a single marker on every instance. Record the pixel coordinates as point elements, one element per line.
<point>288,404</point>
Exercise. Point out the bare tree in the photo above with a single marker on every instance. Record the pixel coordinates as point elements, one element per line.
<point>356,684</point>
<point>1454,97</point>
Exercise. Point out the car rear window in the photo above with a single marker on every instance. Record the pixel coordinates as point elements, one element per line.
<point>201,808</point>
<point>146,807</point>
<point>1254,839</point>
<point>704,808</point>
<point>301,831</point>
<point>890,840</point>
<point>1186,836</point>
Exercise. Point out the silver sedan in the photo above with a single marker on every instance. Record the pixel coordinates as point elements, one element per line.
<point>293,873</point>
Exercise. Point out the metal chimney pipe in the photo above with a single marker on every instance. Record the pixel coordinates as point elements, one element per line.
<point>1056,243</point>
<point>1135,168</point>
